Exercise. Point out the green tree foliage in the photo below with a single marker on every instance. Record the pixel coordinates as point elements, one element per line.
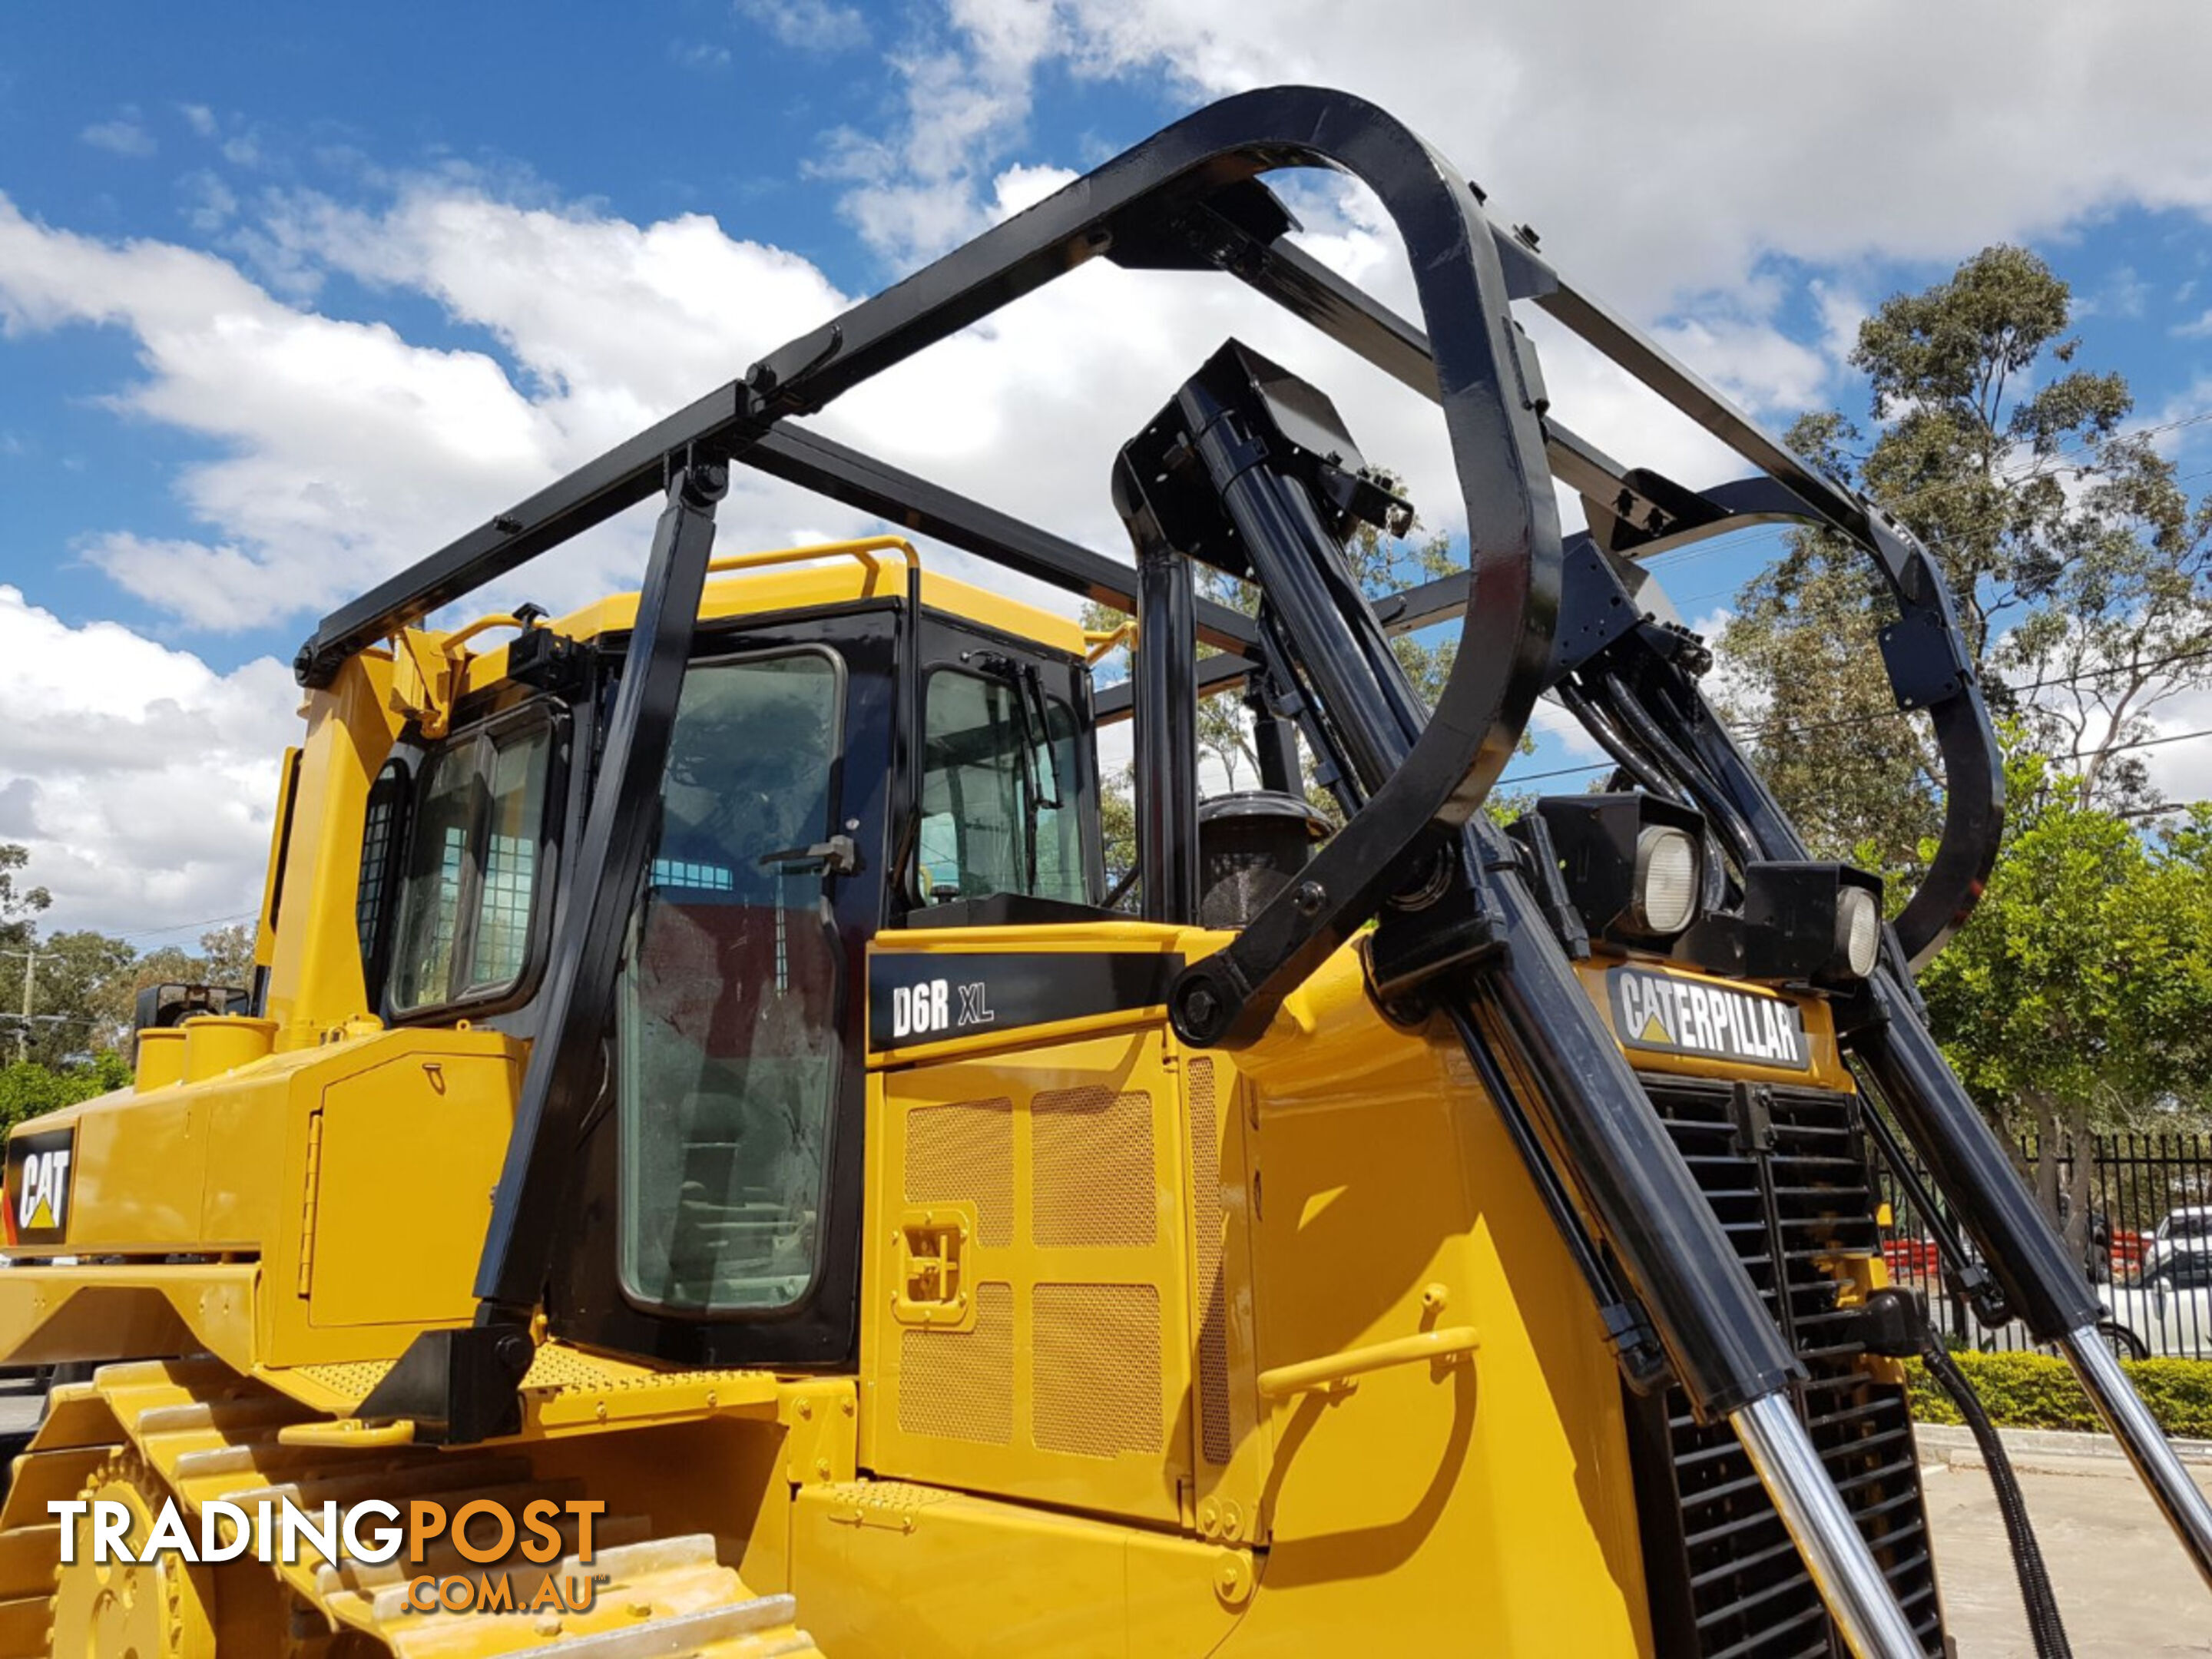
<point>2079,570</point>
<point>84,988</point>
<point>19,905</point>
<point>2081,992</point>
<point>29,1089</point>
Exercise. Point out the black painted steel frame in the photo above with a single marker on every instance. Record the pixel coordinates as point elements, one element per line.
<point>1189,199</point>
<point>1157,203</point>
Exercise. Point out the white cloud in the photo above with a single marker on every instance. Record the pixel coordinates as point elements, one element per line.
<point>698,55</point>
<point>209,204</point>
<point>96,768</point>
<point>123,136</point>
<point>813,25</point>
<point>2181,770</point>
<point>345,449</point>
<point>1810,135</point>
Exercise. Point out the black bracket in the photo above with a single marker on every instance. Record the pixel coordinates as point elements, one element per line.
<point>1926,658</point>
<point>456,1388</point>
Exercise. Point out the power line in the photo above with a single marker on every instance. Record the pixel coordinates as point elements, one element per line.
<point>179,928</point>
<point>31,958</point>
<point>2084,754</point>
<point>1690,552</point>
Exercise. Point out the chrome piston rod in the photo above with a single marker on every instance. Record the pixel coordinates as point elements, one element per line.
<point>1828,1540</point>
<point>2187,1511</point>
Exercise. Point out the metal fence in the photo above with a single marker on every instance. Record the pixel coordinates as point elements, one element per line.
<point>2148,1248</point>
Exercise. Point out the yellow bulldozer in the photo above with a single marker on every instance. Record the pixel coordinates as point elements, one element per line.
<point>712,1162</point>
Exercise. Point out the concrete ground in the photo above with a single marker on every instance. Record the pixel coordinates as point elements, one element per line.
<point>2123,1586</point>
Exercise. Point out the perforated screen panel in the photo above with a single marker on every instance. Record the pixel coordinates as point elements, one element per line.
<point>965,1151</point>
<point>960,1385</point>
<point>1096,1368</point>
<point>1206,1222</point>
<point>1095,1182</point>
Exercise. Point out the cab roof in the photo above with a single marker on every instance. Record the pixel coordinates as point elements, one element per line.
<point>827,579</point>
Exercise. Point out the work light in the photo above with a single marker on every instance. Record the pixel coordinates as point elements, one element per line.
<point>1632,863</point>
<point>1858,929</point>
<point>1666,891</point>
<point>1811,921</point>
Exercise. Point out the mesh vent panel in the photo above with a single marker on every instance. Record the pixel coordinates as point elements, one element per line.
<point>1095,1182</point>
<point>1214,1438</point>
<point>965,1151</point>
<point>960,1385</point>
<point>1096,1368</point>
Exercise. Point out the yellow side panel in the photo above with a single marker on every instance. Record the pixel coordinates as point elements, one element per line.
<point>883,1568</point>
<point>409,1153</point>
<point>1483,1506</point>
<point>140,1162</point>
<point>1062,1370</point>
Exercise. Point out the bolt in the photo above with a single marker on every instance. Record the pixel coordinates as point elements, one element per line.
<point>1308,899</point>
<point>805,1408</point>
<point>1200,1007</point>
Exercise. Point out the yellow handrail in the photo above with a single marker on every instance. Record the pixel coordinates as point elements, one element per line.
<point>1099,642</point>
<point>1335,1373</point>
<point>861,548</point>
<point>461,635</point>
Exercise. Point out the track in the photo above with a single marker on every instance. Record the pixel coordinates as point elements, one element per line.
<point>140,1431</point>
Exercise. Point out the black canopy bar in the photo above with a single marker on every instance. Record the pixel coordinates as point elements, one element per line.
<point>1190,199</point>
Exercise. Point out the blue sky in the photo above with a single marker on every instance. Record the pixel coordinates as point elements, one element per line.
<point>285,301</point>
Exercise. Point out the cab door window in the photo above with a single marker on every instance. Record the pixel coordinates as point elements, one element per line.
<point>727,1019</point>
<point>1000,791</point>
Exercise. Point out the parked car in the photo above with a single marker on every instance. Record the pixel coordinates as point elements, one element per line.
<point>2184,1232</point>
<point>2167,1313</point>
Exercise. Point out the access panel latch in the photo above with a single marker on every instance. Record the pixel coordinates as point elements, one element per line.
<point>932,1285</point>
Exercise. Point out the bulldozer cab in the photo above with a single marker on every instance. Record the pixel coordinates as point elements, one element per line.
<point>717,1183</point>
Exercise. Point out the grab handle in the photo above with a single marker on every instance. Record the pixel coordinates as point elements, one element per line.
<point>1335,1373</point>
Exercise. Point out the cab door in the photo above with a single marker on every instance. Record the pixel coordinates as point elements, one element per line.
<point>717,1207</point>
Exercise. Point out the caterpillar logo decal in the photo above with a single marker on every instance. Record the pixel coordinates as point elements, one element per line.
<point>39,1173</point>
<point>1691,1016</point>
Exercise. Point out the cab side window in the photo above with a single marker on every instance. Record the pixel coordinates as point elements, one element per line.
<point>468,896</point>
<point>999,806</point>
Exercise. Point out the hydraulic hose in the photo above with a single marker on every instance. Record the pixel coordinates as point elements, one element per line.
<point>2041,1606</point>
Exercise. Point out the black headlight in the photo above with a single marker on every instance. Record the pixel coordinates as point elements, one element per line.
<point>1820,922</point>
<point>1634,864</point>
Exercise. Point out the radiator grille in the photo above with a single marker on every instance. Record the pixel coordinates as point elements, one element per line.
<point>1215,1439</point>
<point>1095,1183</point>
<point>1786,1195</point>
<point>1096,1380</point>
<point>965,1151</point>
<point>960,1385</point>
